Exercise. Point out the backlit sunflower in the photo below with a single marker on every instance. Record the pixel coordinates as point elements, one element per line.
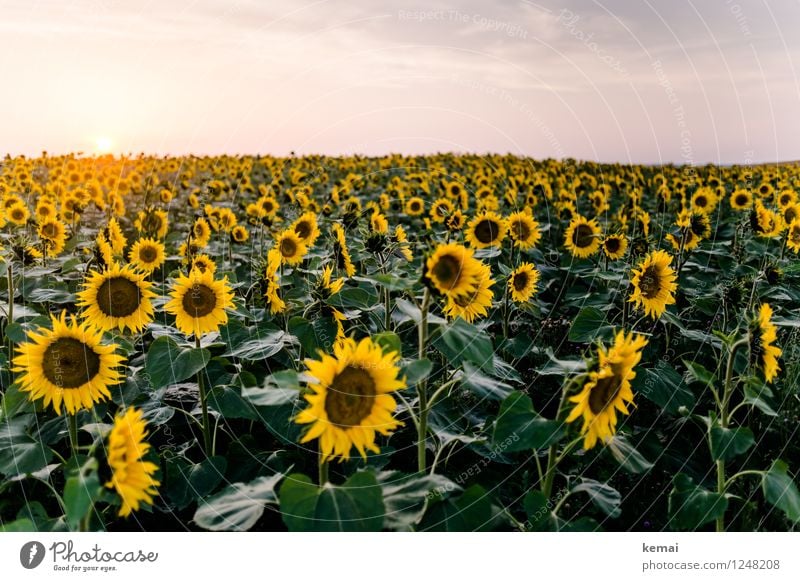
<point>763,351</point>
<point>131,475</point>
<point>116,298</point>
<point>485,230</point>
<point>351,398</point>
<point>583,237</point>
<point>522,282</point>
<point>608,389</point>
<point>453,270</point>
<point>152,222</point>
<point>306,228</point>
<point>291,247</point>
<point>615,246</point>
<point>654,284</point>
<point>146,254</point>
<point>67,365</point>
<point>199,302</point>
<point>475,304</point>
<point>523,229</point>
<point>340,252</point>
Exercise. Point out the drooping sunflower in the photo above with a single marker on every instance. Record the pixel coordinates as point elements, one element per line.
<point>67,367</point>
<point>272,284</point>
<point>654,284</point>
<point>615,246</point>
<point>470,306</point>
<point>131,475</point>
<point>523,229</point>
<point>485,230</point>
<point>453,270</point>
<point>146,254</point>
<point>378,223</point>
<point>306,228</point>
<point>583,237</point>
<point>115,237</point>
<point>116,298</point>
<point>351,398</point>
<point>522,282</point>
<point>199,302</point>
<point>763,351</point>
<point>340,251</point>
<point>608,389</point>
<point>291,247</point>
<point>793,236</point>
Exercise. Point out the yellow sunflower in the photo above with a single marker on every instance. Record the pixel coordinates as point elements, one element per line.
<point>67,365</point>
<point>741,200</point>
<point>340,252</point>
<point>203,263</point>
<point>583,237</point>
<point>351,398</point>
<point>272,284</point>
<point>116,298</point>
<point>608,389</point>
<point>763,351</point>
<point>146,254</point>
<point>654,284</point>
<point>291,247</point>
<point>523,229</point>
<point>378,223</point>
<point>199,302</point>
<point>522,282</point>
<point>201,232</point>
<point>306,228</point>
<point>793,236</point>
<point>766,223</point>
<point>18,214</point>
<point>453,270</point>
<point>485,230</point>
<point>441,209</point>
<point>470,306</point>
<point>131,475</point>
<point>615,246</point>
<point>415,206</point>
<point>239,234</point>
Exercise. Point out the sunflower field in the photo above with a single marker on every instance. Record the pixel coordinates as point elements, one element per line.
<point>433,343</point>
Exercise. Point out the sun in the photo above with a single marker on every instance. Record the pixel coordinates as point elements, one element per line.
<point>103,145</point>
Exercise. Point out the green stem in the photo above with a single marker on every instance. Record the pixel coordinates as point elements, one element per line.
<point>422,386</point>
<point>743,473</point>
<point>323,471</point>
<point>72,428</point>
<point>10,312</point>
<point>724,419</point>
<point>204,406</point>
<point>552,454</point>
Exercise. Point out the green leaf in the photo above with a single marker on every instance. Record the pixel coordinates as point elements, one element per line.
<point>460,341</point>
<point>482,385</point>
<point>727,443</point>
<point>404,496</point>
<point>519,427</point>
<point>781,491</point>
<point>238,506</point>
<point>471,511</point>
<point>698,373</point>
<point>759,395</point>
<point>20,453</point>
<point>280,388</point>
<point>605,497</point>
<point>417,370</point>
<point>167,363</point>
<point>355,506</point>
<point>22,525</point>
<point>691,506</point>
<point>664,387</point>
<point>538,509</point>
<point>627,455</point>
<point>80,492</point>
<point>260,348</point>
<point>230,403</point>
<point>590,323</point>
<point>389,342</point>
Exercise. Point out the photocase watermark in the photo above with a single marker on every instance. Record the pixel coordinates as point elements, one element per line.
<point>66,557</point>
<point>678,112</point>
<point>32,554</point>
<point>509,29</point>
<point>569,20</point>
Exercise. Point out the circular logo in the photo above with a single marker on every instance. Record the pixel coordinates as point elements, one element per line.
<point>31,554</point>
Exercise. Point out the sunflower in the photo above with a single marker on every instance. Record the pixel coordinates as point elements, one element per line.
<point>68,364</point>
<point>340,251</point>
<point>475,304</point>
<point>116,298</point>
<point>199,302</point>
<point>485,230</point>
<point>203,263</point>
<point>786,198</point>
<point>704,200</point>
<point>291,247</point>
<point>522,282</point>
<point>152,222</point>
<point>453,270</point>
<point>582,237</point>
<point>52,234</point>
<point>146,254</point>
<point>18,214</point>
<point>654,284</point>
<point>763,352</point>
<point>201,232</point>
<point>272,283</point>
<point>378,223</point>
<point>608,389</point>
<point>441,209</point>
<point>523,229</point>
<point>615,246</point>
<point>115,237</point>
<point>741,200</point>
<point>131,475</point>
<point>455,222</point>
<point>765,222</point>
<point>306,228</point>
<point>351,398</point>
<point>239,234</point>
<point>793,236</point>
<point>415,206</point>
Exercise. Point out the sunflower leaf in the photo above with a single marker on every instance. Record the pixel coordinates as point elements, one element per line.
<point>167,363</point>
<point>519,427</point>
<point>691,506</point>
<point>781,491</point>
<point>727,443</point>
<point>238,506</point>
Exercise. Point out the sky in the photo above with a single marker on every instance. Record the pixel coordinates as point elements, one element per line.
<point>644,81</point>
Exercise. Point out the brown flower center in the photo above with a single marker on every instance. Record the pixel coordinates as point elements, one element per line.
<point>604,393</point>
<point>583,236</point>
<point>147,254</point>
<point>350,397</point>
<point>650,282</point>
<point>520,230</point>
<point>446,271</point>
<point>199,301</point>
<point>118,297</point>
<point>303,229</point>
<point>486,231</point>
<point>612,245</point>
<point>288,248</point>
<point>68,363</point>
